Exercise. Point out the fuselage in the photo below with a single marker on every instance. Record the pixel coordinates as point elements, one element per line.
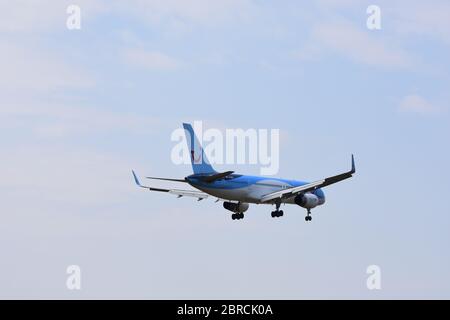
<point>250,189</point>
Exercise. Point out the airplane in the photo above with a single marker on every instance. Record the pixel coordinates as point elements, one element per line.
<point>237,191</point>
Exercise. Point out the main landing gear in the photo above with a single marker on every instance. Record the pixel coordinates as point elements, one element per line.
<point>237,216</point>
<point>308,216</point>
<point>277,213</point>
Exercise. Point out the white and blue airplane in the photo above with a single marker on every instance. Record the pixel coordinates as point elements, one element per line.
<point>237,191</point>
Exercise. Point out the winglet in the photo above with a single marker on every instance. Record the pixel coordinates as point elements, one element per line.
<point>353,164</point>
<point>136,178</point>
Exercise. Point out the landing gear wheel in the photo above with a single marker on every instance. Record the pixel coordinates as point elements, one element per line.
<point>237,216</point>
<point>277,213</point>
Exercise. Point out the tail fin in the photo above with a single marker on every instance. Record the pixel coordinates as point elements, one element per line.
<point>200,163</point>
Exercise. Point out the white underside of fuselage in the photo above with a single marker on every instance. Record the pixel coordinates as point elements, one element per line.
<point>251,193</point>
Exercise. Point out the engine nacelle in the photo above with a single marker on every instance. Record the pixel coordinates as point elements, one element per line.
<point>307,200</point>
<point>236,207</point>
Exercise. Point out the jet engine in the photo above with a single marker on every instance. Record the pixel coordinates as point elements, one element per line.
<point>236,207</point>
<point>307,200</point>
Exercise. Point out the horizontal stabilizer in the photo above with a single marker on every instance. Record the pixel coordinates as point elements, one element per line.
<point>180,193</point>
<point>217,176</point>
<point>167,179</point>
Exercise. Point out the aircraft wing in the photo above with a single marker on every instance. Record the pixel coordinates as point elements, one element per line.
<point>180,193</point>
<point>287,193</point>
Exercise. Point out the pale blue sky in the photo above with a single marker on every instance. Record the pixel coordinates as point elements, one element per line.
<point>80,109</point>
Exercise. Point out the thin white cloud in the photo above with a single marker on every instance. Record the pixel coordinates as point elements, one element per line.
<point>151,60</point>
<point>25,67</point>
<point>421,18</point>
<point>29,65</point>
<point>59,121</point>
<point>355,44</point>
<point>31,16</point>
<point>340,28</point>
<point>417,104</point>
<point>181,13</point>
<point>72,176</point>
<point>403,18</point>
<point>333,4</point>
